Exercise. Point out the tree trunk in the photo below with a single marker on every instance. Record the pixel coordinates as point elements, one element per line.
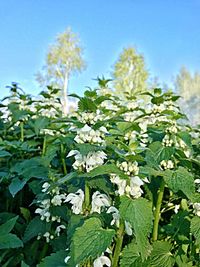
<point>65,97</point>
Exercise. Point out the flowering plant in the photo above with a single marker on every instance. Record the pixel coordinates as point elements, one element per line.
<point>116,183</point>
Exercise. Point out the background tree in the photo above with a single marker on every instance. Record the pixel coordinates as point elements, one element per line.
<point>63,59</point>
<point>188,86</point>
<point>130,75</point>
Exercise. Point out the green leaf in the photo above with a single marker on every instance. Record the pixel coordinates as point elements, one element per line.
<point>181,180</point>
<point>39,123</point>
<point>34,228</point>
<point>4,153</point>
<point>131,257</point>
<point>8,226</point>
<point>31,168</point>
<point>138,213</point>
<point>105,169</point>
<point>16,185</point>
<point>54,260</point>
<point>84,149</point>
<point>23,264</point>
<point>161,255</point>
<point>26,213</point>
<point>86,104</point>
<point>90,240</point>
<point>195,228</point>
<point>10,241</point>
<point>156,153</point>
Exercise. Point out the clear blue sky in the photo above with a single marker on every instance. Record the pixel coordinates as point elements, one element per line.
<point>166,32</point>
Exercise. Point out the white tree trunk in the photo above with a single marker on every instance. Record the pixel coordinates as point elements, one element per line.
<point>65,97</point>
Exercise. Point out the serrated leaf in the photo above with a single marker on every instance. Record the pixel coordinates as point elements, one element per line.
<point>16,185</point>
<point>181,180</point>
<point>10,241</point>
<point>31,168</point>
<point>138,213</point>
<point>105,169</point>
<point>90,240</point>
<point>130,257</point>
<point>84,149</point>
<point>86,104</point>
<point>54,260</point>
<point>8,226</point>
<point>34,228</point>
<point>161,255</point>
<point>195,228</point>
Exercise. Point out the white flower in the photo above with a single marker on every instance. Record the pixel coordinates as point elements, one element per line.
<point>94,159</point>
<point>76,199</point>
<point>45,187</point>
<point>197,209</point>
<point>47,236</point>
<point>102,261</point>
<point>58,229</point>
<point>57,199</point>
<point>176,208</point>
<point>67,259</point>
<point>121,183</point>
<point>197,181</point>
<point>134,188</point>
<point>98,201</point>
<point>115,214</point>
<point>128,228</point>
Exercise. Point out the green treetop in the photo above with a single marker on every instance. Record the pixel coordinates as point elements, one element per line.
<point>130,75</point>
<point>188,86</point>
<point>63,59</point>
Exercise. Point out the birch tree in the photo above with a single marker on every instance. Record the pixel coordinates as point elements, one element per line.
<point>130,74</point>
<point>63,59</point>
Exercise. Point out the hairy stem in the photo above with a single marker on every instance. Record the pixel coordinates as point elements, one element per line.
<point>118,246</point>
<point>44,146</point>
<point>63,159</point>
<point>22,131</point>
<point>87,197</point>
<point>157,211</point>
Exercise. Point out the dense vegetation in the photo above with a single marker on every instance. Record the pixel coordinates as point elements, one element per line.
<point>115,183</point>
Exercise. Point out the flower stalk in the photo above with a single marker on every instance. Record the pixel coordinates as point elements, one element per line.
<point>87,197</point>
<point>157,211</point>
<point>22,131</point>
<point>44,146</point>
<point>118,246</point>
<point>63,159</point>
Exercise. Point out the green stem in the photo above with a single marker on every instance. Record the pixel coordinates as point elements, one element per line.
<point>44,146</point>
<point>118,246</point>
<point>22,131</point>
<point>87,197</point>
<point>157,211</point>
<point>44,251</point>
<point>63,159</point>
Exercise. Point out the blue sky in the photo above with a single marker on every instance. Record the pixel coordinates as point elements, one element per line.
<point>166,32</point>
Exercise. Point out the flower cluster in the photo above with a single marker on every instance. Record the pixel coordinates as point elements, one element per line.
<point>91,117</point>
<point>55,198</point>
<point>76,199</point>
<point>129,168</point>
<point>167,164</point>
<point>99,201</point>
<point>89,135</point>
<point>89,161</point>
<point>131,187</point>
